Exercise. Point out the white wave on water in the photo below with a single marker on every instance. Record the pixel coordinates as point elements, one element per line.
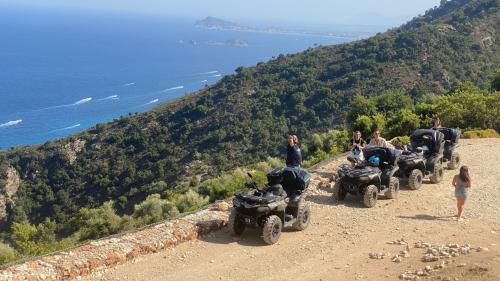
<point>67,128</point>
<point>82,101</point>
<point>204,81</point>
<point>153,101</point>
<point>171,89</point>
<point>210,72</point>
<point>10,123</point>
<point>216,75</point>
<point>113,97</point>
<point>128,84</point>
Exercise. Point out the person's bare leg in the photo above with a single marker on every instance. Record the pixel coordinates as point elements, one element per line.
<point>460,207</point>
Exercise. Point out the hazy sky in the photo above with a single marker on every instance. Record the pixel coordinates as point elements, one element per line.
<point>382,12</point>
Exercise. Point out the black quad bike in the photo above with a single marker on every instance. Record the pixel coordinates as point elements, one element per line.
<point>367,179</point>
<point>451,137</point>
<point>423,158</point>
<point>281,203</point>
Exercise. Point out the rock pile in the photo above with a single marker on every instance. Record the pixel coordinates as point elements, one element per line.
<point>443,253</point>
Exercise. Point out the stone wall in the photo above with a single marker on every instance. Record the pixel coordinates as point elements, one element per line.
<point>103,253</point>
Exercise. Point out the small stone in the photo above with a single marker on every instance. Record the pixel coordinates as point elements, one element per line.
<point>212,261</point>
<point>461,265</point>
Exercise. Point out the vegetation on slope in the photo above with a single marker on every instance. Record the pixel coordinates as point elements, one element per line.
<point>145,167</point>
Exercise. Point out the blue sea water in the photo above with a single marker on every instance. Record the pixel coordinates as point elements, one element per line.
<point>64,72</point>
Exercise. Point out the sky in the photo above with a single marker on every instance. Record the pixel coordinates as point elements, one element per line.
<point>350,12</point>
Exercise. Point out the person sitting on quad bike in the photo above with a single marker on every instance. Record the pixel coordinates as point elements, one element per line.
<point>294,156</point>
<point>377,140</point>
<point>356,145</point>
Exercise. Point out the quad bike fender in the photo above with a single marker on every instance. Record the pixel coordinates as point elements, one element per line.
<point>386,176</point>
<point>431,163</point>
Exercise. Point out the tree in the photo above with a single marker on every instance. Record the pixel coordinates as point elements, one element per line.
<point>98,222</point>
<point>495,83</point>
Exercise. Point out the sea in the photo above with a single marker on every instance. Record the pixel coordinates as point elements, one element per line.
<point>62,72</point>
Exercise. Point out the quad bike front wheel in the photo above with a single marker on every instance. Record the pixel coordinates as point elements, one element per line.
<point>370,197</point>
<point>303,216</point>
<point>415,179</point>
<point>339,193</point>
<point>393,190</point>
<point>235,224</point>
<point>271,231</point>
<point>454,161</point>
<point>437,175</point>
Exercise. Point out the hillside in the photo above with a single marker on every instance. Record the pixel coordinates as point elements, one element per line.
<point>242,120</point>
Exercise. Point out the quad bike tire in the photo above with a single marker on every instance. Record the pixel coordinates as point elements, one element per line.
<point>339,193</point>
<point>454,162</point>
<point>271,231</point>
<point>393,189</point>
<point>236,226</point>
<point>370,197</point>
<point>415,179</point>
<point>303,216</point>
<point>437,175</point>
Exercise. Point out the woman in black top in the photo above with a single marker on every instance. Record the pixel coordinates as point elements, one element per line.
<point>356,144</point>
<point>294,156</point>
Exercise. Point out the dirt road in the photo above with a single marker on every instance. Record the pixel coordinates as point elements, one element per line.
<point>341,236</point>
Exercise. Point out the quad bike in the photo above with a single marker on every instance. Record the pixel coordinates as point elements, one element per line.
<point>451,137</point>
<point>423,159</point>
<point>369,178</point>
<point>281,203</point>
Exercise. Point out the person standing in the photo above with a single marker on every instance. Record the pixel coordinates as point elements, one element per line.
<point>463,184</point>
<point>294,156</point>
<point>377,140</point>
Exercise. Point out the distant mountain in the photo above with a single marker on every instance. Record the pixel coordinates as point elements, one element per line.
<point>246,117</point>
<point>216,23</point>
<point>220,24</point>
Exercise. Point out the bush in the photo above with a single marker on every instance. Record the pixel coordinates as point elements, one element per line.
<point>32,240</point>
<point>98,222</point>
<point>475,134</point>
<point>154,209</point>
<point>191,201</point>
<point>7,253</point>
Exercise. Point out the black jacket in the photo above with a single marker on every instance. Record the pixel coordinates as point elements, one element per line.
<point>294,157</point>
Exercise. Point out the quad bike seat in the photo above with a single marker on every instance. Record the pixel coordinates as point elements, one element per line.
<point>432,139</point>
<point>450,135</point>
<point>293,180</point>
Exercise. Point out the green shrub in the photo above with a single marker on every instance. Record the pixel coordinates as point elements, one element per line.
<point>32,240</point>
<point>153,209</point>
<point>479,134</point>
<point>7,253</point>
<point>191,201</point>
<point>98,222</point>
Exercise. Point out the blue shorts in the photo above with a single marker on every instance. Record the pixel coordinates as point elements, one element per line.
<point>461,192</point>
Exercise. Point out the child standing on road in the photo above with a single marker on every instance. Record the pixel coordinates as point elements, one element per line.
<point>463,184</point>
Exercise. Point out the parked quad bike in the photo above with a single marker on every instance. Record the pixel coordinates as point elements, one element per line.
<point>368,180</point>
<point>424,158</point>
<point>281,203</point>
